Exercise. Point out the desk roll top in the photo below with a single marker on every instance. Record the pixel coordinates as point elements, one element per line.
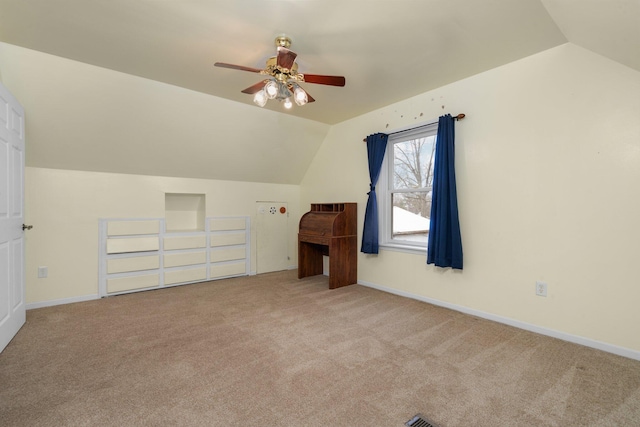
<point>329,229</point>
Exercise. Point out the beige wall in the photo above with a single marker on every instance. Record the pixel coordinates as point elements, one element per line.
<point>548,177</point>
<point>64,207</point>
<point>82,118</point>
<point>548,169</point>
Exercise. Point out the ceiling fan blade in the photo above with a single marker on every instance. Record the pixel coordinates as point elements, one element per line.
<point>309,98</point>
<point>237,67</point>
<point>286,57</point>
<point>324,80</point>
<point>255,88</point>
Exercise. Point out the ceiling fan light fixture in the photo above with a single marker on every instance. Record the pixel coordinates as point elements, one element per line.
<point>282,77</point>
<point>271,89</point>
<point>300,96</point>
<point>260,98</point>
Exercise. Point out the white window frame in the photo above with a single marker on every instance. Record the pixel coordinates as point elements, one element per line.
<point>384,190</point>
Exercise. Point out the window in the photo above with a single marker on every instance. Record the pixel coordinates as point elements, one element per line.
<point>405,188</point>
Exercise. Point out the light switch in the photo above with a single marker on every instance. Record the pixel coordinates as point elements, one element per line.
<point>43,272</point>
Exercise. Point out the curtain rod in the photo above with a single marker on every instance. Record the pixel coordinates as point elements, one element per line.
<point>456,118</point>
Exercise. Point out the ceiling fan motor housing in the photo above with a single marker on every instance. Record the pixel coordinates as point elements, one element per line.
<point>282,74</point>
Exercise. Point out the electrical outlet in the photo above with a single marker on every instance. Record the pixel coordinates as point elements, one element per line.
<point>541,289</point>
<point>43,272</point>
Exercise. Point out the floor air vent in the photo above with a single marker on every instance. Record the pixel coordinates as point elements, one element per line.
<point>420,421</point>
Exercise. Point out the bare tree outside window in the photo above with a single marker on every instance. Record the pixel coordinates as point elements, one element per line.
<point>413,162</point>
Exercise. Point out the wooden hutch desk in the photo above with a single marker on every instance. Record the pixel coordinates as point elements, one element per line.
<point>329,229</point>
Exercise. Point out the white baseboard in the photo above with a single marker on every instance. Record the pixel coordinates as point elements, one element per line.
<point>609,348</point>
<point>53,302</point>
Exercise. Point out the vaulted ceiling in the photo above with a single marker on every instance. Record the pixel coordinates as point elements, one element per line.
<point>388,50</point>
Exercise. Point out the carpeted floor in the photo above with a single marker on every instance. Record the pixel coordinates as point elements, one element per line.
<point>272,350</point>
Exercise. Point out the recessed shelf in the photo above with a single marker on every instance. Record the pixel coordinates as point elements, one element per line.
<point>184,212</point>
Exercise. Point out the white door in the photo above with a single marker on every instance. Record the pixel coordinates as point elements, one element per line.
<point>272,238</point>
<point>12,289</point>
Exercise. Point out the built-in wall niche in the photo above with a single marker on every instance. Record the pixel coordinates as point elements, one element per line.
<point>184,212</point>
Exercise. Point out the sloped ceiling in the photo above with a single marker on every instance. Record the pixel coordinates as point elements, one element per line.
<point>610,28</point>
<point>387,50</point>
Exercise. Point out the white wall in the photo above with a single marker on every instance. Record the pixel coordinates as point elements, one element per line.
<point>64,207</point>
<point>548,172</point>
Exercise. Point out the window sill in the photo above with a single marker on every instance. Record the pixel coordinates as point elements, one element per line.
<point>404,248</point>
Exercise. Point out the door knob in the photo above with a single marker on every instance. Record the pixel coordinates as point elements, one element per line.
<point>26,227</point>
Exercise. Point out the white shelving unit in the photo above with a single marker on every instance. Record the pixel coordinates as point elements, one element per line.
<point>140,254</point>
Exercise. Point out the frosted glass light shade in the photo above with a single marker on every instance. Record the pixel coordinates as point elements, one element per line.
<point>260,98</point>
<point>271,89</point>
<point>300,96</point>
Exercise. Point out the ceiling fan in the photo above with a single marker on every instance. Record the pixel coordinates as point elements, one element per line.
<point>282,82</point>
